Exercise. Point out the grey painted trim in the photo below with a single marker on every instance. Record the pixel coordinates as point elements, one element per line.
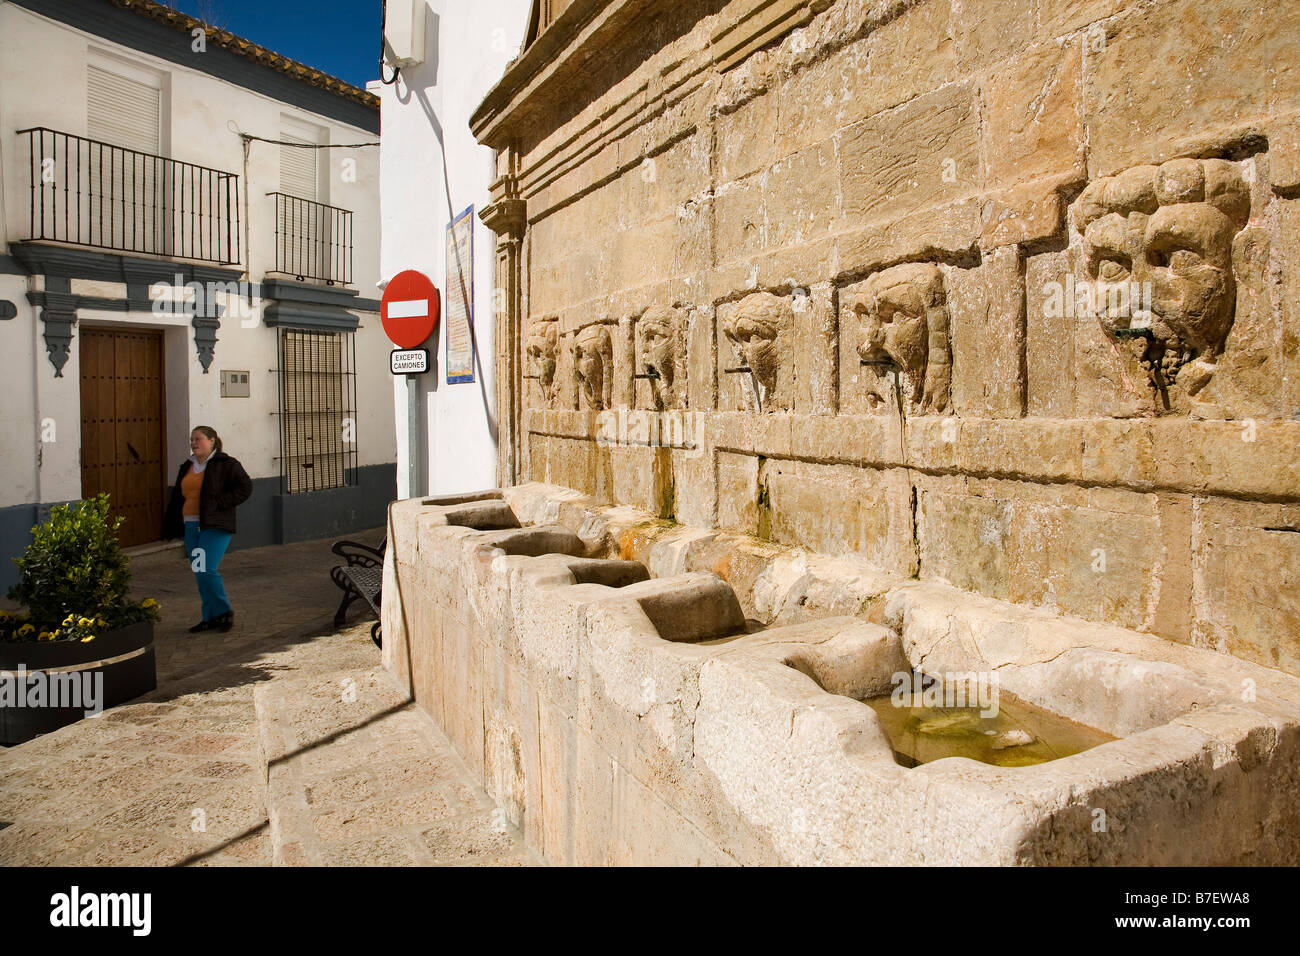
<point>205,339</point>
<point>9,266</point>
<point>289,291</point>
<point>38,258</point>
<point>57,331</point>
<point>7,310</point>
<point>295,315</point>
<point>140,33</point>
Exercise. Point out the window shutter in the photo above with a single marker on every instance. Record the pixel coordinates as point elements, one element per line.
<point>123,112</point>
<point>298,174</point>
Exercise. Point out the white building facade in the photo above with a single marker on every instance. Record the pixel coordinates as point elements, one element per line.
<point>435,192</point>
<point>189,234</point>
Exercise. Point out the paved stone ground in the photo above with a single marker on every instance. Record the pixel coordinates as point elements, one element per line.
<point>281,742</point>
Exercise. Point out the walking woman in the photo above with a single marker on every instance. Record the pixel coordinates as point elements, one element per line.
<point>209,486</point>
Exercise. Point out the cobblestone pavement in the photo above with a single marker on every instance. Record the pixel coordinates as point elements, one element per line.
<point>281,742</point>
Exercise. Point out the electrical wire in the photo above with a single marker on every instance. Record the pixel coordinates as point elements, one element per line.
<point>249,137</point>
<point>383,30</point>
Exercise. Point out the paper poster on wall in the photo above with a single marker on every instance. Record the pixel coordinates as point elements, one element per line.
<point>460,298</point>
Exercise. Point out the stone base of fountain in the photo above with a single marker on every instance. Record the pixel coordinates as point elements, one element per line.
<point>633,691</point>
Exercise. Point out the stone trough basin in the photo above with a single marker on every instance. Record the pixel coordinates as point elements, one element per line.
<point>628,712</point>
<point>1186,758</point>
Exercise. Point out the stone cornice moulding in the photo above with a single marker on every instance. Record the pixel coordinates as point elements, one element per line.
<point>557,53</point>
<point>766,21</point>
<point>506,217</point>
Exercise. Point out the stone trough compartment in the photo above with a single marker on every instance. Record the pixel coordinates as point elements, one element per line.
<point>642,711</point>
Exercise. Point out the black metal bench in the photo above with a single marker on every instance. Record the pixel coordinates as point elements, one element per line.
<point>361,578</point>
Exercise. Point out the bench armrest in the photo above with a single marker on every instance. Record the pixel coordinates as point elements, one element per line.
<point>360,555</point>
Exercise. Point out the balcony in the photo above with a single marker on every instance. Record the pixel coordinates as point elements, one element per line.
<point>88,193</point>
<point>312,240</point>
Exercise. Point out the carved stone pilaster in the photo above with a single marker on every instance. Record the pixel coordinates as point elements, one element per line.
<point>507,216</point>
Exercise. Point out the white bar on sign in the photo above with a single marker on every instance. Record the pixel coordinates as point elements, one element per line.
<point>408,308</point>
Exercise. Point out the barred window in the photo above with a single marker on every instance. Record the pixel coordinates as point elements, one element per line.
<point>318,440</point>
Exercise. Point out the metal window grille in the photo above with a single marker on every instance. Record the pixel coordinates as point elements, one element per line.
<point>318,442</point>
<point>94,194</point>
<point>312,240</point>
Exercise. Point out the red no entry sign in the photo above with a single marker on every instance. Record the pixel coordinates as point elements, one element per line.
<point>409,309</point>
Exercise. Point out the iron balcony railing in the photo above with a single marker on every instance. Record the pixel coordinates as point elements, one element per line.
<point>88,193</point>
<point>312,240</point>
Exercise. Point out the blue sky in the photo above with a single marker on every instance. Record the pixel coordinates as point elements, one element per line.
<point>338,36</point>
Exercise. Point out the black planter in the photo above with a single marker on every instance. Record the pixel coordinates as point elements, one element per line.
<point>115,667</point>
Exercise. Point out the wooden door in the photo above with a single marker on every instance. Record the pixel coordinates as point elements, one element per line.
<point>122,427</point>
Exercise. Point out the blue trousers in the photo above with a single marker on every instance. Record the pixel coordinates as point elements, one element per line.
<point>205,549</point>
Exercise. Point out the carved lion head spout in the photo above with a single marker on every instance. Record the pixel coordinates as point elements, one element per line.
<point>759,329</point>
<point>904,315</point>
<point>540,349</point>
<point>1158,244</point>
<point>660,355</point>
<point>593,359</point>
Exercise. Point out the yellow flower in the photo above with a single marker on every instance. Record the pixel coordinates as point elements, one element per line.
<point>45,636</point>
<point>67,621</point>
<point>88,638</point>
<point>84,622</point>
<point>26,629</point>
<point>5,615</point>
<point>148,602</point>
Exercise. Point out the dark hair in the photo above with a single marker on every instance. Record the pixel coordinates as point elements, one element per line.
<point>209,433</point>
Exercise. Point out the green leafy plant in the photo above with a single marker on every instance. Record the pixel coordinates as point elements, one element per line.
<point>74,578</point>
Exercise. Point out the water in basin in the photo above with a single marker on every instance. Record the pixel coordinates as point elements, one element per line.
<point>1017,735</point>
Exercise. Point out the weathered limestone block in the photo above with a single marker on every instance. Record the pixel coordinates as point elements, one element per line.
<point>739,219</point>
<point>925,153</point>
<point>837,509</point>
<point>1246,597</point>
<point>801,196</point>
<point>984,35</point>
<point>1033,107</point>
<point>745,144</point>
<point>986,305</point>
<point>1186,75</point>
<point>1095,554</point>
<point>1049,337</point>
<point>1065,16</point>
<point>1288,389</point>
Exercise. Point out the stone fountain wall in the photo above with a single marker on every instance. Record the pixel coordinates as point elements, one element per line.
<point>998,296</point>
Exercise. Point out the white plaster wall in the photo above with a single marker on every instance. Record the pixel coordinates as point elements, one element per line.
<point>431,170</point>
<point>43,83</point>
